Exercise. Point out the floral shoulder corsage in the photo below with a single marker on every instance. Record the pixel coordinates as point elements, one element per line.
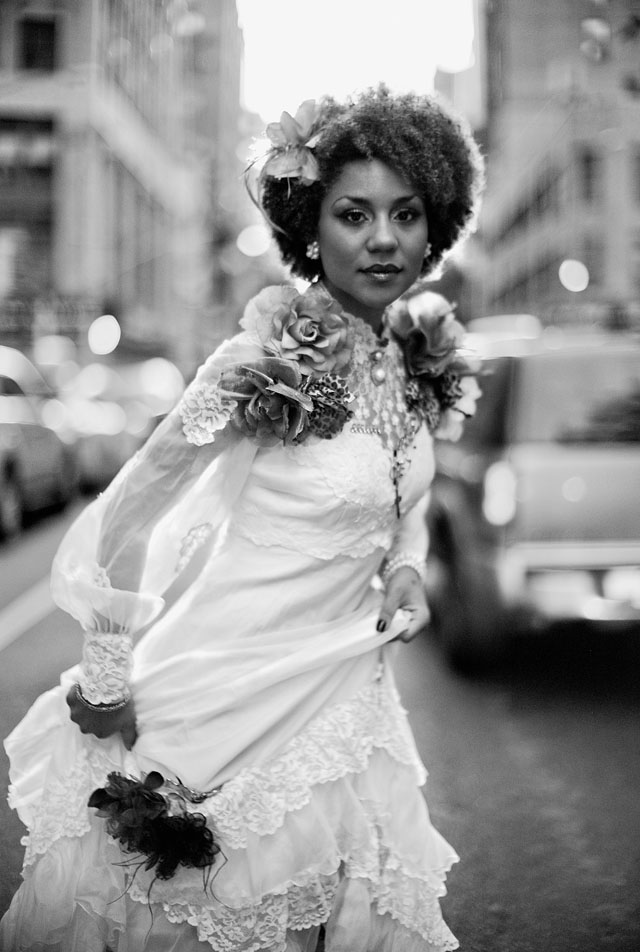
<point>298,388</point>
<point>441,387</point>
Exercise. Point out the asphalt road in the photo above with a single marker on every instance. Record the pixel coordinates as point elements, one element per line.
<point>534,770</point>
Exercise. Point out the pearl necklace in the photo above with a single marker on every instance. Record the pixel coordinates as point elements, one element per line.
<point>378,371</point>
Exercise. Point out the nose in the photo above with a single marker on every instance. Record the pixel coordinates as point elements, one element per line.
<point>382,236</point>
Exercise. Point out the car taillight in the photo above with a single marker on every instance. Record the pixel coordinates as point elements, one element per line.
<point>499,494</point>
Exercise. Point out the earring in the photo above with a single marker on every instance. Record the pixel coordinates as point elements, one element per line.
<point>313,250</point>
<point>427,251</point>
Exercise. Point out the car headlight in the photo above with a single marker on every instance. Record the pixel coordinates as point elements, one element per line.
<point>499,494</point>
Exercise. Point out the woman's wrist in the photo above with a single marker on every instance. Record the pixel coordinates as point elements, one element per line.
<point>403,560</point>
<point>105,670</point>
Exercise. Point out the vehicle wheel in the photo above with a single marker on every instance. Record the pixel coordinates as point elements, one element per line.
<point>11,514</point>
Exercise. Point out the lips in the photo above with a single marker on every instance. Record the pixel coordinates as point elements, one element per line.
<point>382,269</point>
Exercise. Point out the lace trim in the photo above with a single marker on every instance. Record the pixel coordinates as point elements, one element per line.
<point>255,927</point>
<point>408,900</point>
<point>195,537</point>
<point>338,743</point>
<point>62,808</point>
<point>204,411</point>
<point>106,667</point>
<point>100,577</point>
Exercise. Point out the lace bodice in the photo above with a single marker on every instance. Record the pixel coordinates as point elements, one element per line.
<point>199,474</point>
<point>340,492</point>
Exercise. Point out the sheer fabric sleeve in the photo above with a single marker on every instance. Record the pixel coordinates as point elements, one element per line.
<point>129,545</point>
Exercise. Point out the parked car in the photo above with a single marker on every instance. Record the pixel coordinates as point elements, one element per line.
<point>535,513</point>
<point>112,410</point>
<point>37,468</point>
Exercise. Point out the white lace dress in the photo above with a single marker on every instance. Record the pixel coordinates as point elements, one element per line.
<point>265,682</point>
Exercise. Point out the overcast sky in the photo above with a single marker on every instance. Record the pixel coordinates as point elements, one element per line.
<point>296,50</point>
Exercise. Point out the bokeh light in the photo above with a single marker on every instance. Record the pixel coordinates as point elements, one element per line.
<point>574,275</point>
<point>253,241</point>
<point>104,334</point>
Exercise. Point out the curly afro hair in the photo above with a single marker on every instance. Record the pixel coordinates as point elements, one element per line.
<point>414,135</point>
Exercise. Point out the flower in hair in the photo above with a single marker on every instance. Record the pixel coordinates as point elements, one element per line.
<point>292,140</point>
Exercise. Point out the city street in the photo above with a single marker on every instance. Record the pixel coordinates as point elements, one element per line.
<point>534,769</point>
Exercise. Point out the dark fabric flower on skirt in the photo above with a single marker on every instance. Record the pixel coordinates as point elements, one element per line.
<point>156,827</point>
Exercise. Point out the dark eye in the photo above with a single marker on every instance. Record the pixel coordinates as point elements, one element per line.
<point>406,214</point>
<point>355,216</point>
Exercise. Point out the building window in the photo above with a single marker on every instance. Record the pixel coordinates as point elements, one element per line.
<point>37,44</point>
<point>589,173</point>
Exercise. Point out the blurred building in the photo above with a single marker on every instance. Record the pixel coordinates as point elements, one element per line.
<point>466,90</point>
<point>560,226</point>
<point>118,169</point>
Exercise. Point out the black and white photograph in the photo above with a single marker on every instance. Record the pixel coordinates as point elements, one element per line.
<point>319,476</point>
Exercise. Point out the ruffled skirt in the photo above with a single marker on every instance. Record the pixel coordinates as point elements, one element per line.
<point>332,830</point>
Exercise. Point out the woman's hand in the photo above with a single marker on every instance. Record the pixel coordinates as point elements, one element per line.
<point>405,590</point>
<point>104,723</point>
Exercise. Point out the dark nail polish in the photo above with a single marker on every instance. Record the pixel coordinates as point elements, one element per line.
<point>382,625</point>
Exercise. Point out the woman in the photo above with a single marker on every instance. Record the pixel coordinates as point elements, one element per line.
<point>251,778</point>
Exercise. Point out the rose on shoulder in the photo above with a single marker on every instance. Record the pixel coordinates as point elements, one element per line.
<point>306,328</point>
<point>275,403</point>
<point>271,406</point>
<point>425,322</point>
<point>442,387</point>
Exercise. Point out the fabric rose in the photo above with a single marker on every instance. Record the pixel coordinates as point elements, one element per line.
<point>430,332</point>
<point>292,139</point>
<point>470,393</point>
<point>306,328</point>
<point>270,404</point>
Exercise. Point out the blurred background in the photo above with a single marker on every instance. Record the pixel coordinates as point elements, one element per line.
<point>128,249</point>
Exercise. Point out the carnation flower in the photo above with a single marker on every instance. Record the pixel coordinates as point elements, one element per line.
<point>270,404</point>
<point>204,411</point>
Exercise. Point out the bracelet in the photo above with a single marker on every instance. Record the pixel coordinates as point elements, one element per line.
<point>103,708</point>
<point>404,560</point>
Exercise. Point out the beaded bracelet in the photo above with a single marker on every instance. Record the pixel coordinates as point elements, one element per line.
<point>103,708</point>
<point>404,560</point>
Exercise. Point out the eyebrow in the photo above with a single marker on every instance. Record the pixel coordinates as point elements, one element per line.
<point>360,200</point>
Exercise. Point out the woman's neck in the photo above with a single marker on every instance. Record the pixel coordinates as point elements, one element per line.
<point>374,317</point>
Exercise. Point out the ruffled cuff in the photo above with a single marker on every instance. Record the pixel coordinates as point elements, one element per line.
<point>106,667</point>
<point>86,593</point>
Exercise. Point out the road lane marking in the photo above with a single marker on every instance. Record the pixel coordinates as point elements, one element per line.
<point>25,611</point>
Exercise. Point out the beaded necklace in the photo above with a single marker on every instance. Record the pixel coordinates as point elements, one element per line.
<point>377,379</point>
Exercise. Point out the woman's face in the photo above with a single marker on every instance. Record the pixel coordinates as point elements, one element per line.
<point>373,235</point>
